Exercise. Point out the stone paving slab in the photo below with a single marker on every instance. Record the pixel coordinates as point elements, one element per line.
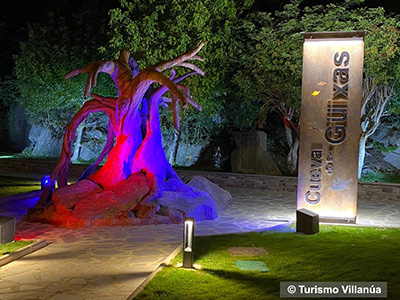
<point>111,262</point>
<point>282,206</point>
<point>103,262</point>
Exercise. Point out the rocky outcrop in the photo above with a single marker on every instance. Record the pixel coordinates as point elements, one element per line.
<point>43,143</point>
<point>15,128</point>
<point>66,198</point>
<point>86,204</point>
<point>90,139</point>
<point>222,198</point>
<point>251,155</point>
<point>387,157</point>
<point>189,201</point>
<point>187,154</point>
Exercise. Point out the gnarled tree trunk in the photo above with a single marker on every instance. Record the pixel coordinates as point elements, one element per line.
<point>135,125</point>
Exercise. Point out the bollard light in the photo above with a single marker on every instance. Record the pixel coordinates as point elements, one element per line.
<point>45,181</point>
<point>188,233</point>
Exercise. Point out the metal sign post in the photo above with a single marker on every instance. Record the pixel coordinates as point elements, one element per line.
<point>330,124</point>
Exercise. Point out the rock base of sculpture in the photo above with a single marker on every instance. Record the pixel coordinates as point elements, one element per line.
<point>86,204</point>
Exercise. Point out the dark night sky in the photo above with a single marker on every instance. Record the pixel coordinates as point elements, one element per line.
<point>15,16</point>
<point>18,13</point>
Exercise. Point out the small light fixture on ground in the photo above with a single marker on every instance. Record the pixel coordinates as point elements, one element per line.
<point>45,181</point>
<point>188,233</point>
<point>7,229</point>
<point>307,221</point>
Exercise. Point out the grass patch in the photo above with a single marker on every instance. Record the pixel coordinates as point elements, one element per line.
<point>375,176</point>
<point>10,186</point>
<point>13,246</point>
<point>337,253</point>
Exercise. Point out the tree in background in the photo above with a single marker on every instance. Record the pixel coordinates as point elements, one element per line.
<point>52,49</point>
<point>253,61</point>
<point>270,74</point>
<point>276,61</point>
<point>156,30</point>
<point>382,58</point>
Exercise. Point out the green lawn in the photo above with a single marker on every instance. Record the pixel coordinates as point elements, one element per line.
<point>375,176</point>
<point>337,253</point>
<point>10,186</point>
<point>13,246</point>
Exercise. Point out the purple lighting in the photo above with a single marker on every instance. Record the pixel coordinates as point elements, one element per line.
<point>46,181</point>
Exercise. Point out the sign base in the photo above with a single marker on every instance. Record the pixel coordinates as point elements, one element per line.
<point>337,220</point>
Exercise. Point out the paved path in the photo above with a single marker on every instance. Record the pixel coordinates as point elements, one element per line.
<point>109,263</point>
<point>371,211</point>
<point>106,262</point>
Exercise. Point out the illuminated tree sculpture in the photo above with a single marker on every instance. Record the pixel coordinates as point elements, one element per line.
<point>136,166</point>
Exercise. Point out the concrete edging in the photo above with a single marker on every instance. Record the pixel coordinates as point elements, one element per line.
<point>7,258</point>
<point>166,262</point>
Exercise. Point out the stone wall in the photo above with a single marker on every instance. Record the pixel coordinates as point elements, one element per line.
<point>379,191</point>
<point>251,155</point>
<point>375,190</point>
<point>275,183</point>
<point>16,167</point>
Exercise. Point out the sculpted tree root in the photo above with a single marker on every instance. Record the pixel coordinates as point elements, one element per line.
<point>136,177</point>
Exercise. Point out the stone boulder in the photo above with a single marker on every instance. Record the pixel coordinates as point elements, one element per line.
<point>86,204</point>
<point>189,201</point>
<point>393,158</point>
<point>90,141</point>
<point>43,142</point>
<point>222,198</point>
<point>251,155</point>
<point>174,185</point>
<point>131,202</point>
<point>187,153</point>
<point>66,198</point>
<point>388,136</point>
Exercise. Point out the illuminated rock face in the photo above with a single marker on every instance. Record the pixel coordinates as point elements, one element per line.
<point>80,204</point>
<point>188,200</point>
<point>222,199</point>
<point>251,155</point>
<point>129,188</point>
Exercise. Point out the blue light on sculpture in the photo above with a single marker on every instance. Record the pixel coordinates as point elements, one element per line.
<point>136,167</point>
<point>46,181</point>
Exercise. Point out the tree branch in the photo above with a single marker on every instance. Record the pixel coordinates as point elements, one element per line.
<point>191,55</point>
<point>60,171</point>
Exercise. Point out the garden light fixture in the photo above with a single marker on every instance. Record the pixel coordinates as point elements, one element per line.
<point>188,233</point>
<point>45,181</point>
